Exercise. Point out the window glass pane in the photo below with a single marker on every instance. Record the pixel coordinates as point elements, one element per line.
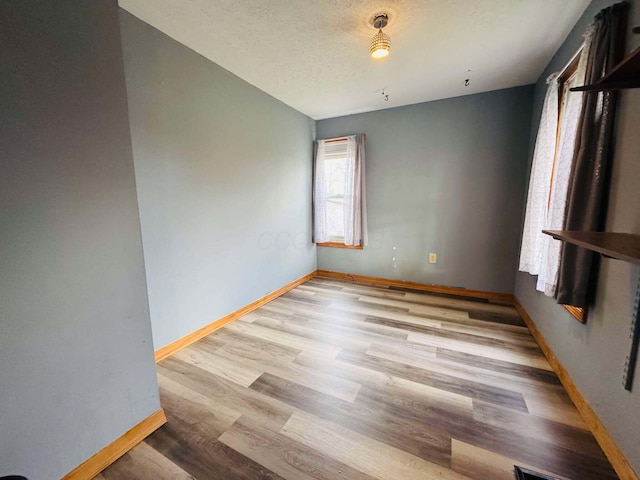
<point>337,170</point>
<point>335,175</point>
<point>335,214</point>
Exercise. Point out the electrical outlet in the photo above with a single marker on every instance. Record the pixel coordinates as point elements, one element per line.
<point>433,258</point>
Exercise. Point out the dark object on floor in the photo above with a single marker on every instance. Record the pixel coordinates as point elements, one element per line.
<point>13,477</point>
<point>524,474</point>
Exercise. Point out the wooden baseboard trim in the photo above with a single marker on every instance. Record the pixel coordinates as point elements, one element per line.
<point>187,340</point>
<point>109,454</point>
<point>500,297</point>
<point>612,451</point>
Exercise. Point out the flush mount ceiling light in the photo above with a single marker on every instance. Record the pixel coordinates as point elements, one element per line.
<point>381,42</point>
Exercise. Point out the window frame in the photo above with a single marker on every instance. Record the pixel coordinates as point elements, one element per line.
<point>569,70</point>
<point>335,241</point>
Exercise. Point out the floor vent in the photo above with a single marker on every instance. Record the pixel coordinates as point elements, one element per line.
<point>524,474</point>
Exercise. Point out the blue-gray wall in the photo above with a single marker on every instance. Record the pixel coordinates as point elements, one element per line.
<point>76,357</point>
<point>444,177</point>
<point>224,184</point>
<point>594,354</point>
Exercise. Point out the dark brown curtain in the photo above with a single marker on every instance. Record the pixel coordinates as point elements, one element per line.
<point>588,185</point>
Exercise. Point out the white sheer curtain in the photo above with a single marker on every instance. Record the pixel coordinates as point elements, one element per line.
<point>568,130</point>
<point>352,195</point>
<point>320,195</point>
<point>355,205</point>
<point>541,171</point>
<point>550,173</point>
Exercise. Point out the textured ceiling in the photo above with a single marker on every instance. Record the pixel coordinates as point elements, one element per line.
<point>313,55</point>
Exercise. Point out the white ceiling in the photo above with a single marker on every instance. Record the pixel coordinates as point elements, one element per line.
<point>313,54</point>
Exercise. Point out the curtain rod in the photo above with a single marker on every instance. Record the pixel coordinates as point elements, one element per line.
<point>336,140</point>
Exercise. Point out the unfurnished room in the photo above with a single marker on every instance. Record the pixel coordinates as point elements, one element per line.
<point>351,240</point>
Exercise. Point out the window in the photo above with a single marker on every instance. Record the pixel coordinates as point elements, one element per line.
<point>550,175</point>
<point>339,193</point>
<point>335,175</point>
<point>570,104</point>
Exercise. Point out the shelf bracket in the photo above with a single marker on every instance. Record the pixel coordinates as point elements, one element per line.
<point>632,358</point>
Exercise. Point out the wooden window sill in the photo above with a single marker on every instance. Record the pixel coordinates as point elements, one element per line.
<point>579,314</point>
<point>340,245</point>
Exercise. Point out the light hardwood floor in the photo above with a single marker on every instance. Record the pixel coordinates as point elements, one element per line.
<point>338,380</point>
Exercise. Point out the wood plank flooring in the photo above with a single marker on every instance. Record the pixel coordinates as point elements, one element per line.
<point>339,380</point>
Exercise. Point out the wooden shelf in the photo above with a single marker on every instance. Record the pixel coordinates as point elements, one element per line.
<point>622,246</point>
<point>625,74</point>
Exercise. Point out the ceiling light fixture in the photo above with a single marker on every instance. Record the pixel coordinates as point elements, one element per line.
<point>381,42</point>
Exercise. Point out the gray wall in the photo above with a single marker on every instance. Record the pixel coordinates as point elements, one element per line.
<point>76,360</point>
<point>594,354</point>
<point>224,179</point>
<point>444,177</point>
